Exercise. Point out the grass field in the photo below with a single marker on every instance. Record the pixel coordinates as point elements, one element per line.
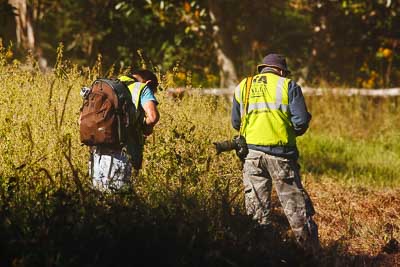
<point>186,207</point>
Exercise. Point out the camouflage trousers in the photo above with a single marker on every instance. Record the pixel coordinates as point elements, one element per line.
<point>109,171</point>
<point>259,171</point>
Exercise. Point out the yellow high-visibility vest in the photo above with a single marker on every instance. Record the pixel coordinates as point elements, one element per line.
<point>267,120</point>
<point>134,87</point>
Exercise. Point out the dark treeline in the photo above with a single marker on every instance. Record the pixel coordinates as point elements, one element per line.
<point>340,42</point>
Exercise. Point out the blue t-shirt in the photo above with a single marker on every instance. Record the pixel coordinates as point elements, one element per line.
<point>146,96</point>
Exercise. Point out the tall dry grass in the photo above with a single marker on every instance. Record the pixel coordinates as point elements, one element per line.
<point>354,138</point>
<point>187,203</point>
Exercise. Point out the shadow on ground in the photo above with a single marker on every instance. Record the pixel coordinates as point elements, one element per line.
<point>120,230</point>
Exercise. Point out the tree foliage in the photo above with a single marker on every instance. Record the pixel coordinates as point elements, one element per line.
<point>342,42</point>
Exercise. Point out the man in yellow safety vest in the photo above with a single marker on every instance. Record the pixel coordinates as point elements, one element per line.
<point>269,110</point>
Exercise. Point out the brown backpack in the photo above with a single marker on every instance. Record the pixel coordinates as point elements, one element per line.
<point>106,113</point>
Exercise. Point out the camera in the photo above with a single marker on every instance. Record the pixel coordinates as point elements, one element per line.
<point>238,143</point>
<point>85,91</point>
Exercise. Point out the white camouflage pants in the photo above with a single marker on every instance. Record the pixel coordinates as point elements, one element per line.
<point>259,171</point>
<point>110,172</point>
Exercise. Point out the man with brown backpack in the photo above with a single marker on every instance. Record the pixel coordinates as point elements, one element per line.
<point>116,116</point>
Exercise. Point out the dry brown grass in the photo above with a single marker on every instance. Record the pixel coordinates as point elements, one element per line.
<point>360,221</point>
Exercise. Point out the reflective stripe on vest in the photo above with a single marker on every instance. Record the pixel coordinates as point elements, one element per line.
<point>278,105</point>
<point>270,106</point>
<point>135,88</point>
<point>268,116</point>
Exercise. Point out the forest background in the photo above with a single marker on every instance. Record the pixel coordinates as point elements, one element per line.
<point>215,43</point>
<point>187,203</point>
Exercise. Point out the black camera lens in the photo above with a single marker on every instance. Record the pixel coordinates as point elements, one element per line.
<point>224,146</point>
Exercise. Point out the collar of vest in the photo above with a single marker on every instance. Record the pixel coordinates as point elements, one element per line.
<point>128,80</point>
<point>270,70</point>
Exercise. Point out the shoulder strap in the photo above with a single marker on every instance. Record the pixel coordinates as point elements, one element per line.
<point>249,81</point>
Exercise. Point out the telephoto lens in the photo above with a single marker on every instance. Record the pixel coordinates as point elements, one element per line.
<point>224,146</point>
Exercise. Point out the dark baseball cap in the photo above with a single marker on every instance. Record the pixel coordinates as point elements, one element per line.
<point>274,60</point>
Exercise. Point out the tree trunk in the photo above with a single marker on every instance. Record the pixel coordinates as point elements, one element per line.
<point>228,74</point>
<point>24,26</point>
<point>7,22</point>
<point>390,64</point>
